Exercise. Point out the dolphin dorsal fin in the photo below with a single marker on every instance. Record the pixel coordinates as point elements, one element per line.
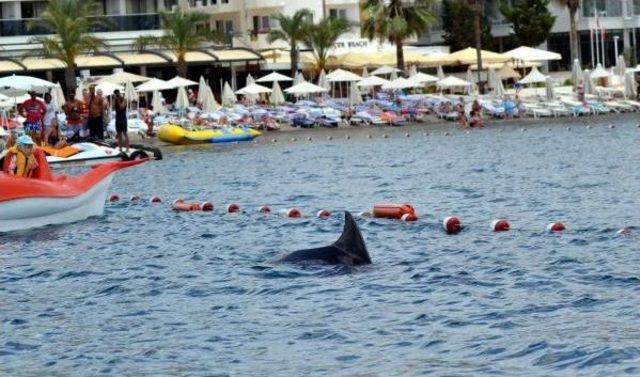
<point>351,241</point>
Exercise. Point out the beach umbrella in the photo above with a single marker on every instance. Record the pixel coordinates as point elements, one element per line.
<point>533,77</point>
<point>385,70</point>
<point>355,97</point>
<point>322,80</point>
<point>629,86</point>
<point>340,75</point>
<point>178,82</point>
<point>472,80</point>
<point>79,90</point>
<point>576,73</point>
<point>400,83</point>
<point>507,72</point>
<point>209,103</point>
<point>528,54</point>
<point>13,86</point>
<point>182,100</point>
<point>491,78</point>
<point>305,88</point>
<point>372,81</point>
<point>58,95</point>
<point>621,67</point>
<point>365,72</point>
<point>154,85</point>
<point>253,90</point>
<point>130,92</point>
<point>108,88</point>
<point>498,91</point>
<point>587,82</point>
<point>550,94</point>
<point>440,73</point>
<point>228,98</point>
<point>273,77</point>
<point>277,97</point>
<point>393,76</point>
<point>413,70</point>
<point>599,72</point>
<point>121,77</point>
<point>453,82</point>
<point>201,90</point>
<point>299,78</point>
<point>423,78</point>
<point>252,97</point>
<point>156,103</point>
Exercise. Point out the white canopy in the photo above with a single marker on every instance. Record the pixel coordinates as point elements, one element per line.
<point>178,82</point>
<point>108,88</point>
<point>385,70</point>
<point>423,77</point>
<point>299,78</point>
<point>276,98</point>
<point>122,77</point>
<point>340,75</point>
<point>254,89</point>
<point>533,77</point>
<point>453,82</point>
<point>528,54</point>
<point>130,92</point>
<point>355,98</point>
<point>153,85</point>
<point>182,101</point>
<point>440,73</point>
<point>305,88</point>
<point>372,81</point>
<point>14,86</point>
<point>599,72</point>
<point>201,90</point>
<point>413,70</point>
<point>274,76</point>
<point>401,83</point>
<point>322,80</point>
<point>209,103</point>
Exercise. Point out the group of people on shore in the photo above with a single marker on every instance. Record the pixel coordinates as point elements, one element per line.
<point>84,118</point>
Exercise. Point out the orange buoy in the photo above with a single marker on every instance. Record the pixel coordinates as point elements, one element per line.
<point>264,209</point>
<point>180,205</point>
<point>233,208</point>
<point>207,206</point>
<point>409,217</point>
<point>500,225</point>
<point>114,198</point>
<point>155,199</point>
<point>392,210</point>
<point>451,225</point>
<point>293,213</point>
<point>323,213</point>
<point>135,198</point>
<point>556,227</point>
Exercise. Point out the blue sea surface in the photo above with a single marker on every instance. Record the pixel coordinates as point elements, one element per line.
<point>146,291</point>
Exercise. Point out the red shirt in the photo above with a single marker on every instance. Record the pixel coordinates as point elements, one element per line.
<point>35,110</point>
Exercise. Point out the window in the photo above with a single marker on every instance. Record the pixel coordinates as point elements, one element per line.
<point>261,24</point>
<point>338,13</point>
<point>225,1</point>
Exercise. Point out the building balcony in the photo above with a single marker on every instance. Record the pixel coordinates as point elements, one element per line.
<point>134,22</point>
<point>260,4</point>
<point>342,2</point>
<point>217,6</point>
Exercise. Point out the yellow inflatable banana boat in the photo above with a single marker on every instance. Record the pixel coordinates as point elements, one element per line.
<point>175,134</point>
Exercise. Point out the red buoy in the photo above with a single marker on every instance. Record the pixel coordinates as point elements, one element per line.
<point>233,208</point>
<point>556,227</point>
<point>293,213</point>
<point>135,198</point>
<point>451,225</point>
<point>500,225</point>
<point>392,210</point>
<point>114,198</point>
<point>323,213</point>
<point>409,217</point>
<point>180,205</point>
<point>264,209</point>
<point>155,199</point>
<point>207,206</point>
<point>624,232</point>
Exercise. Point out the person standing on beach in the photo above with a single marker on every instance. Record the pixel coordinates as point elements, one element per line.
<point>462,117</point>
<point>121,120</point>
<point>50,113</point>
<point>33,110</point>
<point>95,121</point>
<point>73,112</point>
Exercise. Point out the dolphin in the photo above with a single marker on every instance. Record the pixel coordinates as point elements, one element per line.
<point>348,250</point>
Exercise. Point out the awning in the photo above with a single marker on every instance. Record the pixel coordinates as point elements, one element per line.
<point>97,61</point>
<point>235,55</point>
<point>10,66</point>
<point>141,59</point>
<point>41,64</point>
<point>192,57</point>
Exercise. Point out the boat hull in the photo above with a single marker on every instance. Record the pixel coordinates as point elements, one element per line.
<point>40,211</point>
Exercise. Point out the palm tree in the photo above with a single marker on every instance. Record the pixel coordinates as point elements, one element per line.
<point>322,36</point>
<point>395,20</point>
<point>72,22</point>
<point>572,7</point>
<point>292,30</point>
<point>180,36</point>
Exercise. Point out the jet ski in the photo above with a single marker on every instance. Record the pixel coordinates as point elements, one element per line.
<point>90,153</point>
